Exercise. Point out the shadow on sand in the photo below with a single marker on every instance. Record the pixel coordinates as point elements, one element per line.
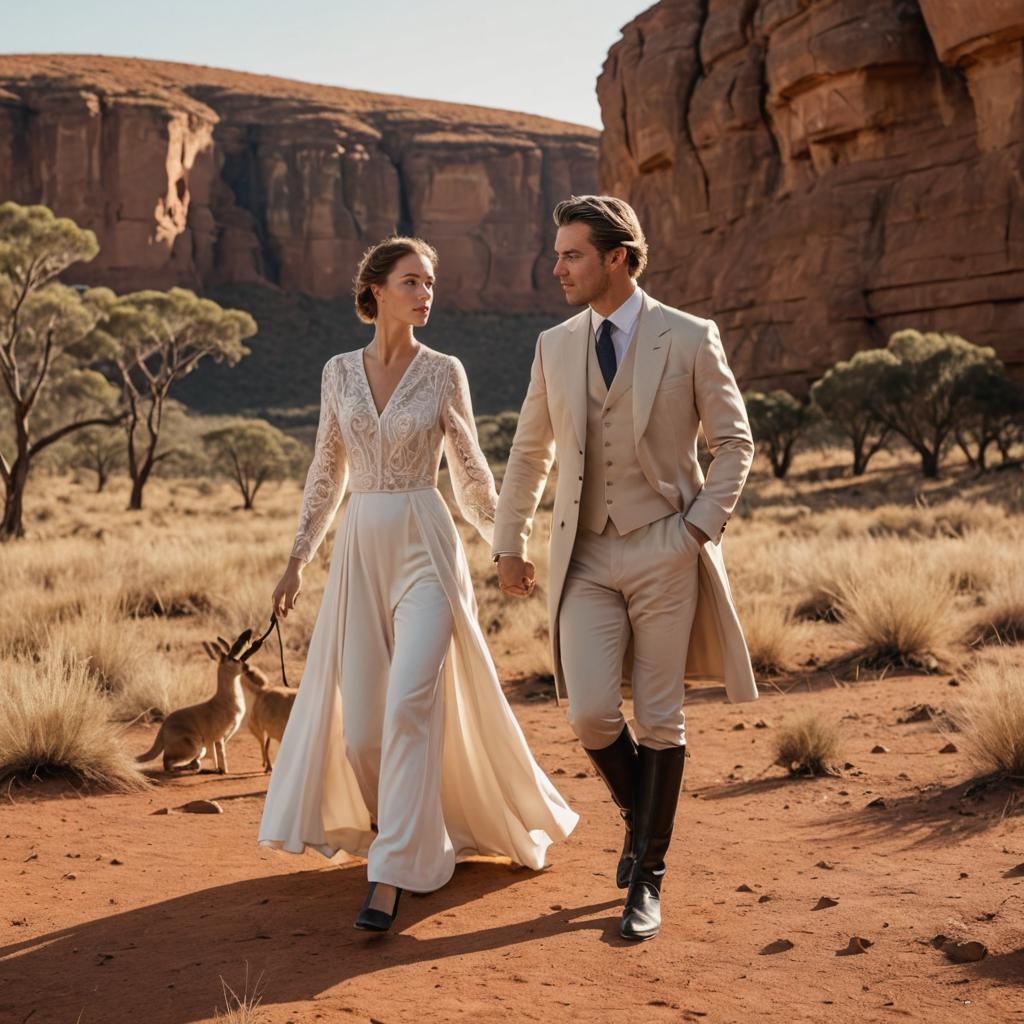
<point>161,963</point>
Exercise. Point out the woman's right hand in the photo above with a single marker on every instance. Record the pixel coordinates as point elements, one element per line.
<point>286,593</point>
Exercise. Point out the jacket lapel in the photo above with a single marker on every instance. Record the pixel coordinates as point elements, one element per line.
<point>651,354</point>
<point>576,369</point>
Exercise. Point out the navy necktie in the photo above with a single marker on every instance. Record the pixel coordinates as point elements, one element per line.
<point>606,353</point>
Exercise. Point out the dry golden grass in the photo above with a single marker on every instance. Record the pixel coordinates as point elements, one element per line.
<point>773,632</point>
<point>897,608</point>
<point>1001,616</point>
<point>241,1009</point>
<point>990,714</point>
<point>914,567</point>
<point>808,744</point>
<point>53,719</point>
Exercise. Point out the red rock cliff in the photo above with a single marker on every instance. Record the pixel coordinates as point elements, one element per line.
<point>818,173</point>
<point>198,176</point>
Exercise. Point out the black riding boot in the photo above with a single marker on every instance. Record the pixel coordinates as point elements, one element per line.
<point>661,778</point>
<point>617,765</point>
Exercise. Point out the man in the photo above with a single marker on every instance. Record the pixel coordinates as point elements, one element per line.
<point>617,394</point>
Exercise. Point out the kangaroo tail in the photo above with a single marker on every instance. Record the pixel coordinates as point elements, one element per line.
<point>158,745</point>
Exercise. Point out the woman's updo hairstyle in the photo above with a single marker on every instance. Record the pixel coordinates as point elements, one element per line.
<point>377,262</point>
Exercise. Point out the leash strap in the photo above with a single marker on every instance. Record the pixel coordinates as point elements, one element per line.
<point>280,645</point>
<point>258,643</point>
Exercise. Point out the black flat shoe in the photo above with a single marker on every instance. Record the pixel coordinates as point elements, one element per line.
<point>371,920</point>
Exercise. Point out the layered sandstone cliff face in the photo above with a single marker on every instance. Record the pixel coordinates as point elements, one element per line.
<point>817,173</point>
<point>200,177</point>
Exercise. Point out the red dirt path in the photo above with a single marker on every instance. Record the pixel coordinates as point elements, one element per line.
<point>82,939</point>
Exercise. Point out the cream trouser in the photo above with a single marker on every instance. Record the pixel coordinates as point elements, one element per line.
<point>644,583</point>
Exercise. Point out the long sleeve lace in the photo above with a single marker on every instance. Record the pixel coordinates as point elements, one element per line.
<point>472,480</point>
<point>328,472</point>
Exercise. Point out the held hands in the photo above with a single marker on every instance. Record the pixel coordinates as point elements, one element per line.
<point>515,575</point>
<point>286,593</point>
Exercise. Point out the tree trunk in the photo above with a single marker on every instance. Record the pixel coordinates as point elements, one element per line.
<point>930,463</point>
<point>135,501</point>
<point>13,525</point>
<point>860,463</point>
<point>781,462</point>
<point>140,474</point>
<point>983,444</point>
<point>138,483</point>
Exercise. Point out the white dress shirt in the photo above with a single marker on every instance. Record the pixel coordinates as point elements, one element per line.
<point>624,321</point>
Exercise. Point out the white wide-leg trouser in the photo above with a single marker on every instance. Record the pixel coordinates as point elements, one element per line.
<point>398,633</point>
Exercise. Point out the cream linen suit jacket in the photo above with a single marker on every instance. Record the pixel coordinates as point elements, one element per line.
<point>681,381</point>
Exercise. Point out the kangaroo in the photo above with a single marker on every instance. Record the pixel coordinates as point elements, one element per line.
<point>187,733</point>
<point>269,708</point>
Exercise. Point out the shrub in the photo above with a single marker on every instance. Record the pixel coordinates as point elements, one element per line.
<point>808,745</point>
<point>990,715</point>
<point>896,608</point>
<point>772,632</point>
<point>53,719</point>
<point>1001,619</point>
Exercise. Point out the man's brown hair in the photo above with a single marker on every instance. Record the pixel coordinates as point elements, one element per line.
<point>612,222</point>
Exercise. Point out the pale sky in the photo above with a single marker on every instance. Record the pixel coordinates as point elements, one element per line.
<point>538,56</point>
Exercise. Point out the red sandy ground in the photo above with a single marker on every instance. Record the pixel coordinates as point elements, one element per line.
<point>195,899</point>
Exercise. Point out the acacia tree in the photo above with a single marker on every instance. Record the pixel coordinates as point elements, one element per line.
<point>159,338</point>
<point>777,422</point>
<point>843,396</point>
<point>48,346</point>
<point>994,414</point>
<point>924,395</point>
<point>251,452</point>
<point>98,449</point>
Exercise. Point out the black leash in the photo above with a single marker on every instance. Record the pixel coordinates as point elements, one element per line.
<point>258,643</point>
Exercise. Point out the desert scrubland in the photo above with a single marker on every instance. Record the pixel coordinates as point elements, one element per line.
<point>883,613</point>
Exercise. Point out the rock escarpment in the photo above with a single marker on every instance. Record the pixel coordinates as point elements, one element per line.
<point>817,173</point>
<point>201,177</point>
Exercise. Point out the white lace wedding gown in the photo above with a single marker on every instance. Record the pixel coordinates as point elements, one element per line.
<point>400,719</point>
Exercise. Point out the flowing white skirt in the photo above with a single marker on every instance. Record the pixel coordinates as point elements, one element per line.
<point>495,800</point>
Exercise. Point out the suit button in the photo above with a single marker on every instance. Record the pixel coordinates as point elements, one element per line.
<point>611,501</point>
<point>608,462</point>
<point>563,524</point>
<point>607,444</point>
<point>581,478</point>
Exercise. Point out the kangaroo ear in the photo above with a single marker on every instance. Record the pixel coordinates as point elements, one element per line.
<point>252,650</point>
<point>239,643</point>
<point>256,675</point>
<point>225,647</point>
<point>211,650</point>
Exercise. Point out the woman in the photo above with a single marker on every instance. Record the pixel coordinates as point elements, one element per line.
<point>400,727</point>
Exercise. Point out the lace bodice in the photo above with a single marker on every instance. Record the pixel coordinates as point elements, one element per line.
<point>399,450</point>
